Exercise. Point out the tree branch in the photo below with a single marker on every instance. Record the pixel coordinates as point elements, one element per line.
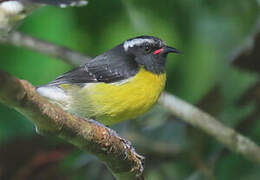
<point>199,119</point>
<point>115,152</point>
<point>69,56</point>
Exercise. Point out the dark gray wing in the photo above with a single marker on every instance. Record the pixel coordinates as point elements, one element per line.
<point>110,67</point>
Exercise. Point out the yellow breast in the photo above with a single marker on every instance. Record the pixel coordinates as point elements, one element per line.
<point>112,103</point>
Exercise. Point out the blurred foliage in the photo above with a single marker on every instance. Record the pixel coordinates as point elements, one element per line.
<point>205,31</point>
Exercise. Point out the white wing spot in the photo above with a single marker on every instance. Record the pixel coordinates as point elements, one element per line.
<point>136,42</point>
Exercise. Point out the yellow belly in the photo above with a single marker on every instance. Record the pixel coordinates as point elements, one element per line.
<point>112,103</point>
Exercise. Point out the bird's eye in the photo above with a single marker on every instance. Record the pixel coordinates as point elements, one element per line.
<point>147,48</point>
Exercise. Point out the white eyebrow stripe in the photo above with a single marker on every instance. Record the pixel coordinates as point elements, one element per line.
<point>134,42</point>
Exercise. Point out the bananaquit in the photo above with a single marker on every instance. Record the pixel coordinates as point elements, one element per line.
<point>123,83</point>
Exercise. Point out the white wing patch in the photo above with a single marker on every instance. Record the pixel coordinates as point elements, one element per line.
<point>53,93</point>
<point>136,42</point>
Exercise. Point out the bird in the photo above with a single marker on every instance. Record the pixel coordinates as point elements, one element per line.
<point>120,84</point>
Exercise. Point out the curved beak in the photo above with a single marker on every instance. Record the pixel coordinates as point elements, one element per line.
<point>169,49</point>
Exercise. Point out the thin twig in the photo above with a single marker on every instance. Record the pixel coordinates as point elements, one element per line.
<point>69,56</point>
<point>89,135</point>
<point>199,119</point>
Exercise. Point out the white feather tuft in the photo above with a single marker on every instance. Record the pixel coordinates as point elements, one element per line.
<point>53,93</point>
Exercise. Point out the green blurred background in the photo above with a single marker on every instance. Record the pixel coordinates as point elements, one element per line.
<point>207,33</point>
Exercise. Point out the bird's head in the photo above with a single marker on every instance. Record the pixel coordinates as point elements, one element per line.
<point>148,51</point>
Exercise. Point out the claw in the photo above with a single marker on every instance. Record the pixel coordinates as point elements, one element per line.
<point>127,145</point>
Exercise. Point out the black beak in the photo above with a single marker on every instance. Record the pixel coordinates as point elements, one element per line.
<point>169,49</point>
